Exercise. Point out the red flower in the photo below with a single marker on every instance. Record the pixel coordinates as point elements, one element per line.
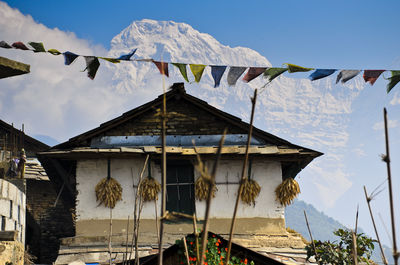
<point>245,261</point>
<point>217,244</point>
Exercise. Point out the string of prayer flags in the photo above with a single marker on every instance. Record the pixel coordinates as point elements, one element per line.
<point>20,45</point>
<point>197,71</point>
<point>5,45</point>
<point>234,73</point>
<point>37,46</point>
<point>273,72</point>
<point>217,71</point>
<point>162,67</point>
<point>394,79</point>
<point>182,69</point>
<point>111,60</point>
<point>372,75</point>
<point>54,51</point>
<point>292,68</point>
<point>253,72</point>
<point>346,75</point>
<point>69,57</point>
<point>127,57</point>
<point>321,73</point>
<point>92,65</point>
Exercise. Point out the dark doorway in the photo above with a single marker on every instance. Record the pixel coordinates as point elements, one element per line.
<point>180,187</point>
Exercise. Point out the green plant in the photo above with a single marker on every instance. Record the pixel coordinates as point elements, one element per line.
<point>341,253</point>
<point>215,253</point>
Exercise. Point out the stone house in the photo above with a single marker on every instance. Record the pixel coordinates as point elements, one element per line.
<point>76,166</point>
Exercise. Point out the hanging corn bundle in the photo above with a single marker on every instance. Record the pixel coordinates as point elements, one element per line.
<point>108,191</point>
<point>251,190</point>
<point>202,183</point>
<point>149,187</point>
<point>287,191</point>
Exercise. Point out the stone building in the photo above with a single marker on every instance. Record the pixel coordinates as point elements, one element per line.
<point>76,166</point>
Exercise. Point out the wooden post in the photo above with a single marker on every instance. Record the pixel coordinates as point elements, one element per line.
<point>196,235</point>
<point>355,230</point>
<point>164,170</point>
<point>125,260</point>
<point>311,237</point>
<point>243,178</point>
<point>186,250</point>
<point>211,183</point>
<point>387,160</point>
<point>376,231</point>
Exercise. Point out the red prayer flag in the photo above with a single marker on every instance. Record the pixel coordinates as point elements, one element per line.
<point>372,75</point>
<point>20,45</point>
<point>162,67</point>
<point>253,72</point>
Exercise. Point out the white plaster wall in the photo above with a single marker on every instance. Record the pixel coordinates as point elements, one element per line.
<point>126,171</point>
<point>9,192</point>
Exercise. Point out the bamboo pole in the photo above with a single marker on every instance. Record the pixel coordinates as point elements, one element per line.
<point>211,182</point>
<point>356,226</point>
<point>354,248</point>
<point>253,102</point>
<point>164,171</point>
<point>311,237</point>
<point>376,231</point>
<point>125,260</point>
<point>196,235</point>
<point>109,238</point>
<point>387,160</point>
<point>186,251</point>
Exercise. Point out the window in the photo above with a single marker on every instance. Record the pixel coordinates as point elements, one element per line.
<point>180,187</point>
<point>3,223</point>
<point>11,209</point>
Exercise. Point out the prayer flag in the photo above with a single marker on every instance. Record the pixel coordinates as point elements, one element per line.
<point>372,75</point>
<point>54,51</point>
<point>111,60</point>
<point>37,46</point>
<point>234,73</point>
<point>5,45</point>
<point>394,79</point>
<point>346,75</point>
<point>162,67</point>
<point>292,68</point>
<point>69,57</point>
<point>253,72</point>
<point>20,45</point>
<point>92,65</point>
<point>197,71</point>
<point>321,73</point>
<point>273,72</point>
<point>127,57</point>
<point>217,71</point>
<point>182,69</point>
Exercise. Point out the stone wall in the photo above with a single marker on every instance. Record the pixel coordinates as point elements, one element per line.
<point>46,224</point>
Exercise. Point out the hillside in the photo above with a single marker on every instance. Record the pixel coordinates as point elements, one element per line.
<point>322,226</point>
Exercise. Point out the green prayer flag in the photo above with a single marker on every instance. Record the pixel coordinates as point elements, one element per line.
<point>394,79</point>
<point>182,69</point>
<point>273,72</point>
<point>197,71</point>
<point>292,68</point>
<point>54,51</point>
<point>37,46</point>
<point>111,60</point>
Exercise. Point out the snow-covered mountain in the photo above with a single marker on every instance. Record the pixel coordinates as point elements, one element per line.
<point>313,114</point>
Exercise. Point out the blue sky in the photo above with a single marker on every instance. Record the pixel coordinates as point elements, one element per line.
<point>321,34</point>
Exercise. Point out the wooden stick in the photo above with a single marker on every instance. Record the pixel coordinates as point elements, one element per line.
<point>211,184</point>
<point>311,237</point>
<point>387,160</point>
<point>157,228</point>
<point>137,231</point>
<point>164,171</point>
<point>196,235</point>
<point>355,230</point>
<point>186,251</point>
<point>354,248</point>
<point>125,261</point>
<point>376,231</point>
<point>253,101</point>
<point>137,196</point>
<point>109,237</point>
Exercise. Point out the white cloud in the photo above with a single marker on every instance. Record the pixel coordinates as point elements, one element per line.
<point>396,99</point>
<point>380,125</point>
